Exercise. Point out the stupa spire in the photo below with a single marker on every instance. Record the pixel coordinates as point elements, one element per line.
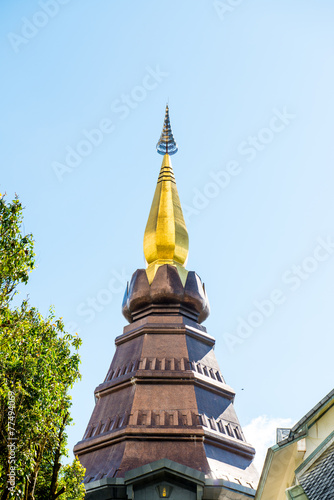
<point>166,144</point>
<point>166,237</point>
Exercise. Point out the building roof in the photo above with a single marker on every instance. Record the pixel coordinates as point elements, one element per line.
<point>280,465</point>
<point>318,482</point>
<point>322,405</point>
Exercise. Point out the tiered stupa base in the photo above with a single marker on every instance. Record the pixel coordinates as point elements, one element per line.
<point>164,396</point>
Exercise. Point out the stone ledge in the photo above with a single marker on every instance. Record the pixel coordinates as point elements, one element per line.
<point>172,433</point>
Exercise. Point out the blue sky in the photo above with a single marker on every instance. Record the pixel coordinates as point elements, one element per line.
<point>250,89</point>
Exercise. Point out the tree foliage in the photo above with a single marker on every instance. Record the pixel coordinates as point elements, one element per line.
<point>16,250</point>
<point>39,363</point>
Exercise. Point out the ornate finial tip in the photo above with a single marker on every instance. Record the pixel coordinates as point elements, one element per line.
<point>166,143</point>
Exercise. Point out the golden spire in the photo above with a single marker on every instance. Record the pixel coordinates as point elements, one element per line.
<point>166,236</point>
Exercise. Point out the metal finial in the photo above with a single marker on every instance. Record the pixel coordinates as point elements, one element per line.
<point>166,143</point>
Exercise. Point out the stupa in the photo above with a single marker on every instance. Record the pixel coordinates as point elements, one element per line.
<point>164,424</point>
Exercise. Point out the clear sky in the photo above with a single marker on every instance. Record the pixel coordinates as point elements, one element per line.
<point>250,88</point>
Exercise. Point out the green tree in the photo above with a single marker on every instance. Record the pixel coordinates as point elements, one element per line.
<point>39,363</point>
<point>16,251</point>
